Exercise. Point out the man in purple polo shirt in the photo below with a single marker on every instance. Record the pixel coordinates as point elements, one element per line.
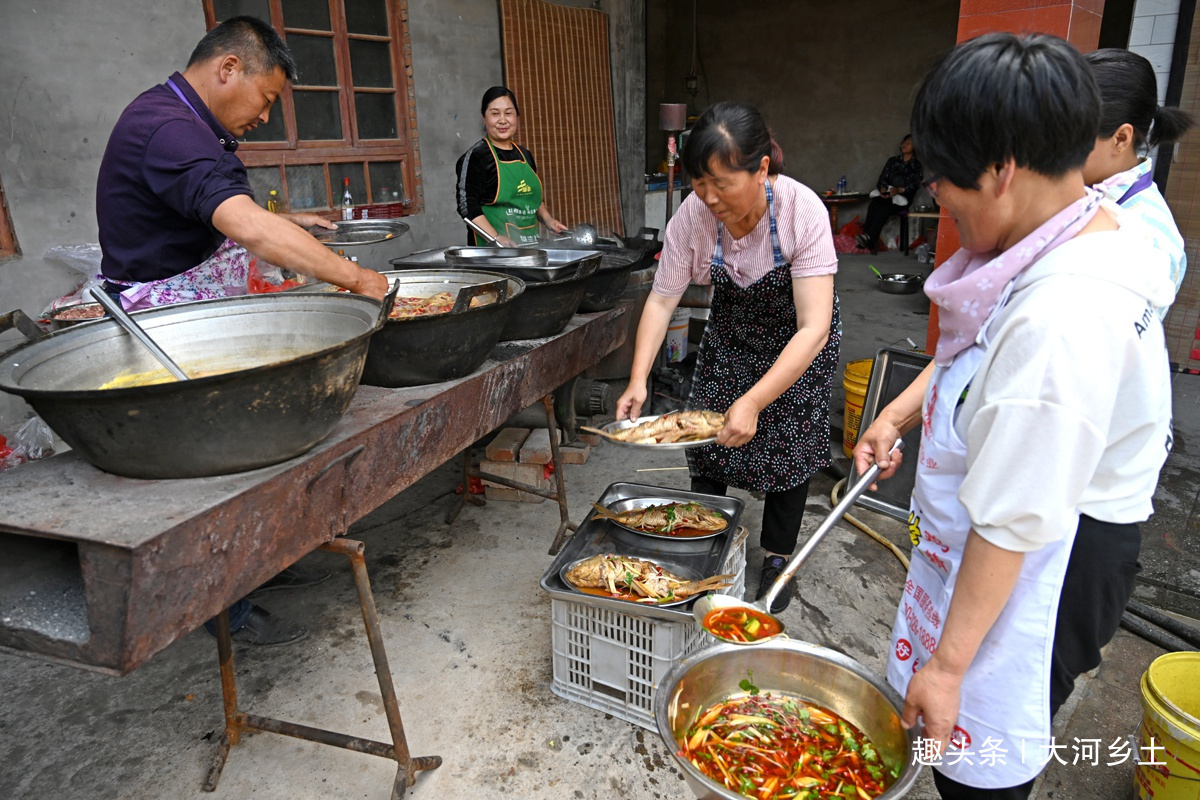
<point>176,213</point>
<point>178,220</point>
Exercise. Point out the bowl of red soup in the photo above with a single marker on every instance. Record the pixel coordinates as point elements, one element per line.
<point>784,719</point>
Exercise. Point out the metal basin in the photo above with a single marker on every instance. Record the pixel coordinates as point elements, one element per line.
<point>289,364</point>
<point>828,678</point>
<point>900,283</point>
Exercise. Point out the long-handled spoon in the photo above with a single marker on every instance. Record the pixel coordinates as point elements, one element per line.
<point>762,608</point>
<point>125,321</point>
<point>877,272</point>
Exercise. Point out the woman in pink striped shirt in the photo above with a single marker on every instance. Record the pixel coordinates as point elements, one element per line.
<point>770,350</point>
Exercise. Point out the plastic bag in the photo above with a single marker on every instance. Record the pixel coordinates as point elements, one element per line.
<point>33,440</point>
<point>852,228</point>
<point>271,278</point>
<point>84,259</point>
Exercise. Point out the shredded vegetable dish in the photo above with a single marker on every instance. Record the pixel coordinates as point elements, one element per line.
<point>775,747</point>
<point>739,624</point>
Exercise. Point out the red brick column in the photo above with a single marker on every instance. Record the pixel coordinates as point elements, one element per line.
<point>1078,22</point>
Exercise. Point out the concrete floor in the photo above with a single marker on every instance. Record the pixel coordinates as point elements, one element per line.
<point>468,635</point>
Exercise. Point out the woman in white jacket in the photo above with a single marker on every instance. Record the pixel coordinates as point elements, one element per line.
<point>1045,415</point>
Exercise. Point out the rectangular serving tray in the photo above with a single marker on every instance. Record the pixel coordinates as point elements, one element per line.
<point>596,536</point>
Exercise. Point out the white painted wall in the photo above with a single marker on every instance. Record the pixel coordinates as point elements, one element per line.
<point>1152,35</point>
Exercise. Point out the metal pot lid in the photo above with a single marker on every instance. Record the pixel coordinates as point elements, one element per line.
<point>360,231</point>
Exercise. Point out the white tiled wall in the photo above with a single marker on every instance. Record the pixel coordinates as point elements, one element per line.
<point>1153,36</point>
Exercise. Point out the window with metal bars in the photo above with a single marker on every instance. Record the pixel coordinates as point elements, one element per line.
<point>350,114</point>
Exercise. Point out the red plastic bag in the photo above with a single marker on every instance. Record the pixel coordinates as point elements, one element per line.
<point>852,228</point>
<point>275,279</point>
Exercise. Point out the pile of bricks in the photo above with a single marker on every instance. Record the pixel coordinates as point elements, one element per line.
<point>523,454</point>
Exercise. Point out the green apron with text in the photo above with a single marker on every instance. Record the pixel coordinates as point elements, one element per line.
<point>518,195</point>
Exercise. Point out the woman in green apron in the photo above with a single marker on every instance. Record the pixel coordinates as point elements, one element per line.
<point>498,186</point>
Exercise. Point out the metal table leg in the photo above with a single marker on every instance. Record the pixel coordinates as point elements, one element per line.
<point>237,721</point>
<point>565,526</point>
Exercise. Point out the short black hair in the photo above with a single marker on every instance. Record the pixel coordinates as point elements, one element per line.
<point>257,44</point>
<point>1030,98</point>
<point>736,135</point>
<point>497,92</point>
<point>1129,93</point>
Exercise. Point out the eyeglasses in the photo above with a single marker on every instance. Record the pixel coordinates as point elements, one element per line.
<point>929,186</point>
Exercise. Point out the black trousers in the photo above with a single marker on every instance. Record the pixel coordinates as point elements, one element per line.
<point>1098,584</point>
<point>782,513</point>
<point>878,211</point>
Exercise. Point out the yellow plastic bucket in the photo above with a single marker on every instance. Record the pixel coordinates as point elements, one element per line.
<point>854,381</point>
<point>1171,717</point>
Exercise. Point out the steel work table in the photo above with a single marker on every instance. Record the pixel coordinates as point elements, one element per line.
<point>102,572</point>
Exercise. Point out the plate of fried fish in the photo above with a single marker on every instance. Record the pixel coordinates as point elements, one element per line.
<point>638,580</point>
<point>675,430</point>
<point>664,518</point>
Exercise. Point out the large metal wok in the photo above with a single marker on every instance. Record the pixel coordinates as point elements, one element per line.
<point>417,350</point>
<point>289,364</point>
<point>604,288</point>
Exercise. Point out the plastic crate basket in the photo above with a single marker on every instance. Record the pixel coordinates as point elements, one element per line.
<point>612,661</point>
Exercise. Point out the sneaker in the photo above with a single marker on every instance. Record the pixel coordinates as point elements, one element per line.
<point>294,577</point>
<point>264,629</point>
<point>772,567</point>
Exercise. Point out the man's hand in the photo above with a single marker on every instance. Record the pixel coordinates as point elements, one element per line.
<point>370,283</point>
<point>741,423</point>
<point>307,219</point>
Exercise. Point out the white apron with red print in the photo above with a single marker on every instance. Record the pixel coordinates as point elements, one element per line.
<point>1003,731</point>
<point>223,274</point>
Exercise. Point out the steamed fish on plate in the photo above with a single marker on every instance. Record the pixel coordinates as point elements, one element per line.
<point>638,580</point>
<point>667,518</point>
<point>678,426</point>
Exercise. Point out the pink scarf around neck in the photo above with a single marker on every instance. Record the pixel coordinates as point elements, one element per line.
<point>967,287</point>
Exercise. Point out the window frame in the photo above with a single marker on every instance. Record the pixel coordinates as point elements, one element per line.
<point>9,247</point>
<point>404,150</point>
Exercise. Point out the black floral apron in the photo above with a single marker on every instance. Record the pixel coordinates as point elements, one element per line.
<point>747,330</point>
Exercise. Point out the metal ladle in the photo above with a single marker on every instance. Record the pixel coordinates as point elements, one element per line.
<point>486,236</point>
<point>712,602</point>
<point>583,235</point>
<point>114,308</point>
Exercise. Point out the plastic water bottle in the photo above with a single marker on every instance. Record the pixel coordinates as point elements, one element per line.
<point>841,187</point>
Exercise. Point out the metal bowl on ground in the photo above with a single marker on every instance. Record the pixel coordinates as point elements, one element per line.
<point>822,676</point>
<point>441,347</point>
<point>900,283</point>
<point>277,372</point>
<point>546,307</point>
<point>604,288</point>
<point>372,241</point>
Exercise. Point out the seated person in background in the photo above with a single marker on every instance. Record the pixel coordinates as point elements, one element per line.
<point>897,185</point>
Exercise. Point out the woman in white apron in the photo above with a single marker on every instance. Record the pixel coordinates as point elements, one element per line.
<point>1132,123</point>
<point>1045,415</point>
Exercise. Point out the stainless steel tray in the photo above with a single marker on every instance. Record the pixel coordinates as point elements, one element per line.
<point>359,231</point>
<point>678,570</point>
<point>638,503</point>
<point>595,535</point>
<point>560,263</point>
<point>621,425</point>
